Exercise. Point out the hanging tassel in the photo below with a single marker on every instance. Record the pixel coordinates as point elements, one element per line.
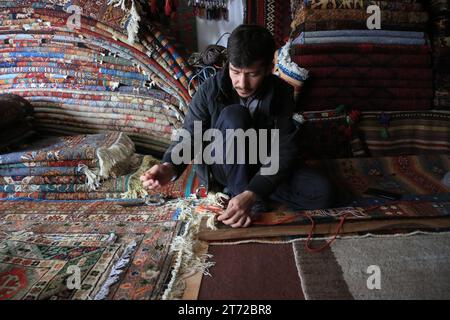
<point>93,181</point>
<point>385,133</point>
<point>168,9</point>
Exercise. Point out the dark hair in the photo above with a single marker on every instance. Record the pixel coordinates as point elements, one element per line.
<point>250,43</point>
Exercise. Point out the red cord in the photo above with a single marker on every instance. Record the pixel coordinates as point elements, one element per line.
<point>329,243</point>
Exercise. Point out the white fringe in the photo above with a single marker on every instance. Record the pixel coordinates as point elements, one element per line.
<point>116,271</point>
<point>117,3</point>
<point>187,262</point>
<point>120,151</point>
<point>133,24</point>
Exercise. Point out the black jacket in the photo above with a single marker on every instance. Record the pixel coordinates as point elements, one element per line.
<point>275,112</point>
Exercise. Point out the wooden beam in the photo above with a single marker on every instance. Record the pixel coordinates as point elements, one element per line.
<point>329,229</point>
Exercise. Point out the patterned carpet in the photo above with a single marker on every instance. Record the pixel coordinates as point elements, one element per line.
<point>124,251</point>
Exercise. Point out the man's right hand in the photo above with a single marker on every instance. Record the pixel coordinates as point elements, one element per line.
<point>158,176</point>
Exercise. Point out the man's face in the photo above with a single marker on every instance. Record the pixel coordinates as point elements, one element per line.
<point>246,81</point>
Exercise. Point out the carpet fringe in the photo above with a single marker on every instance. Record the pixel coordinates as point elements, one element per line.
<point>304,238</point>
<point>120,151</point>
<point>93,181</point>
<point>116,271</point>
<point>135,188</point>
<point>187,262</point>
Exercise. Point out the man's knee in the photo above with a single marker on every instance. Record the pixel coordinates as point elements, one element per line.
<point>315,189</point>
<point>234,117</point>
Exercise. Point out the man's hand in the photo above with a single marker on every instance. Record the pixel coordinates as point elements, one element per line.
<point>237,214</point>
<point>158,176</point>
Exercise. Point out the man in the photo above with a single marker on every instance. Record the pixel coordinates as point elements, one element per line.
<point>245,95</point>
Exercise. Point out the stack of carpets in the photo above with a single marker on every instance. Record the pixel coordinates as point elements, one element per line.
<point>440,14</point>
<point>15,122</point>
<point>90,66</point>
<point>81,179</point>
<point>75,167</point>
<point>321,15</point>
<point>348,64</point>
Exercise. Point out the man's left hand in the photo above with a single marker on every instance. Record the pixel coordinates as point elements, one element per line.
<point>237,214</point>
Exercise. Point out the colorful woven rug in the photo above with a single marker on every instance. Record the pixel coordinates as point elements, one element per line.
<point>364,36</point>
<point>184,27</point>
<point>398,5</point>
<point>146,231</point>
<point>284,225</point>
<point>37,266</point>
<point>405,175</point>
<point>73,187</point>
<point>366,48</point>
<point>441,53</point>
<point>328,134</point>
<point>394,134</point>
<point>363,60</point>
<point>274,15</point>
<point>412,267</point>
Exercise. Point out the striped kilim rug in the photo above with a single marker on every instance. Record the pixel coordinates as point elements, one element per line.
<point>405,133</point>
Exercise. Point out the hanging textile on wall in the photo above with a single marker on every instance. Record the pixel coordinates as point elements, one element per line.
<point>274,15</point>
<point>162,10</point>
<point>210,9</point>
